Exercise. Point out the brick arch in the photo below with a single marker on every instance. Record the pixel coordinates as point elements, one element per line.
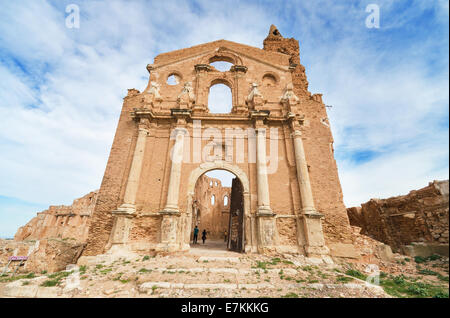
<point>218,165</point>
<point>226,80</point>
<point>222,55</point>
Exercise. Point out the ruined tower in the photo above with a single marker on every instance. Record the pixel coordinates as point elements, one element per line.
<point>276,141</point>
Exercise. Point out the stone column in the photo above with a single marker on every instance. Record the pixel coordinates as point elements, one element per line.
<point>263,183</point>
<point>303,175</point>
<point>175,172</point>
<point>315,243</point>
<point>126,211</point>
<point>170,213</point>
<point>266,223</point>
<point>129,198</point>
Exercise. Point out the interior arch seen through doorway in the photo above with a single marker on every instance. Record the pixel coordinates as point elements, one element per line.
<point>222,219</point>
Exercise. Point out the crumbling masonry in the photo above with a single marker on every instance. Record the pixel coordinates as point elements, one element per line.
<point>416,223</point>
<point>146,199</point>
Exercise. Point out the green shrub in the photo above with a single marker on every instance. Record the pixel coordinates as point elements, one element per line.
<point>50,283</point>
<point>441,294</point>
<point>416,290</point>
<point>420,259</point>
<point>343,279</point>
<point>144,270</point>
<point>356,273</point>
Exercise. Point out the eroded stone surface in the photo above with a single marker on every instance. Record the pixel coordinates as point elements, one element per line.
<point>420,216</point>
<point>61,221</point>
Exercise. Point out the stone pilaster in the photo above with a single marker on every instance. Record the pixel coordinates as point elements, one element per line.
<point>239,85</point>
<point>170,214</point>
<point>175,172</point>
<point>126,211</point>
<point>263,183</point>
<point>128,205</point>
<point>266,222</point>
<point>315,243</point>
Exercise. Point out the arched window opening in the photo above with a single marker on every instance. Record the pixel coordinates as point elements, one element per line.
<point>222,66</point>
<point>220,99</point>
<point>225,200</point>
<point>173,79</point>
<point>213,199</point>
<point>269,80</point>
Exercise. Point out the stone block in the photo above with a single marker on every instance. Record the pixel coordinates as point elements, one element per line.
<point>16,289</point>
<point>343,250</point>
<point>384,252</point>
<point>48,292</point>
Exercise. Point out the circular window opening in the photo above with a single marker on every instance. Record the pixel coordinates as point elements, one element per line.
<point>173,79</point>
<point>269,80</point>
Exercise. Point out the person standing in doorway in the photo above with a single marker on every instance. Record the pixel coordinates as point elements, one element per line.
<point>204,236</point>
<point>225,234</point>
<point>196,230</point>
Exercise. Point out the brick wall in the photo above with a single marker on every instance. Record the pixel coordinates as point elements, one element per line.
<point>420,216</point>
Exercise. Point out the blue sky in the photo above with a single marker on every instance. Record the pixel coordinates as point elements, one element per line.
<point>61,89</point>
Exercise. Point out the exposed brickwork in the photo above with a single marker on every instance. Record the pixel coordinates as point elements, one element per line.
<point>61,221</point>
<point>273,71</point>
<point>318,143</point>
<point>112,187</point>
<point>420,216</point>
<point>214,218</point>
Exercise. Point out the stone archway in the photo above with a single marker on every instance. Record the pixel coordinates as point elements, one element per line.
<point>241,175</point>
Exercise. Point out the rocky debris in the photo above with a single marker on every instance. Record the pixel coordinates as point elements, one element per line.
<point>418,218</point>
<point>50,255</point>
<point>187,275</point>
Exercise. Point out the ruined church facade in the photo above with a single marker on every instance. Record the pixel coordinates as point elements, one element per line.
<point>281,152</point>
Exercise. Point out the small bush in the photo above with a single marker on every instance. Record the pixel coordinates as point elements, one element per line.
<point>416,290</point>
<point>356,273</point>
<point>343,279</point>
<point>50,283</point>
<point>290,295</point>
<point>275,261</point>
<point>441,294</point>
<point>262,265</point>
<point>144,270</point>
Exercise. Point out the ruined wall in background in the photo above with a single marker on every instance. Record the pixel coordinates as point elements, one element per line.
<point>420,216</point>
<point>212,217</point>
<point>61,221</point>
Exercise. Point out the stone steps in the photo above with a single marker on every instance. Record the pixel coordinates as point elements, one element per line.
<point>225,259</point>
<point>289,271</point>
<point>150,286</point>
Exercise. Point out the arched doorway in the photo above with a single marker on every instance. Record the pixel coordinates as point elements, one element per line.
<point>225,223</point>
